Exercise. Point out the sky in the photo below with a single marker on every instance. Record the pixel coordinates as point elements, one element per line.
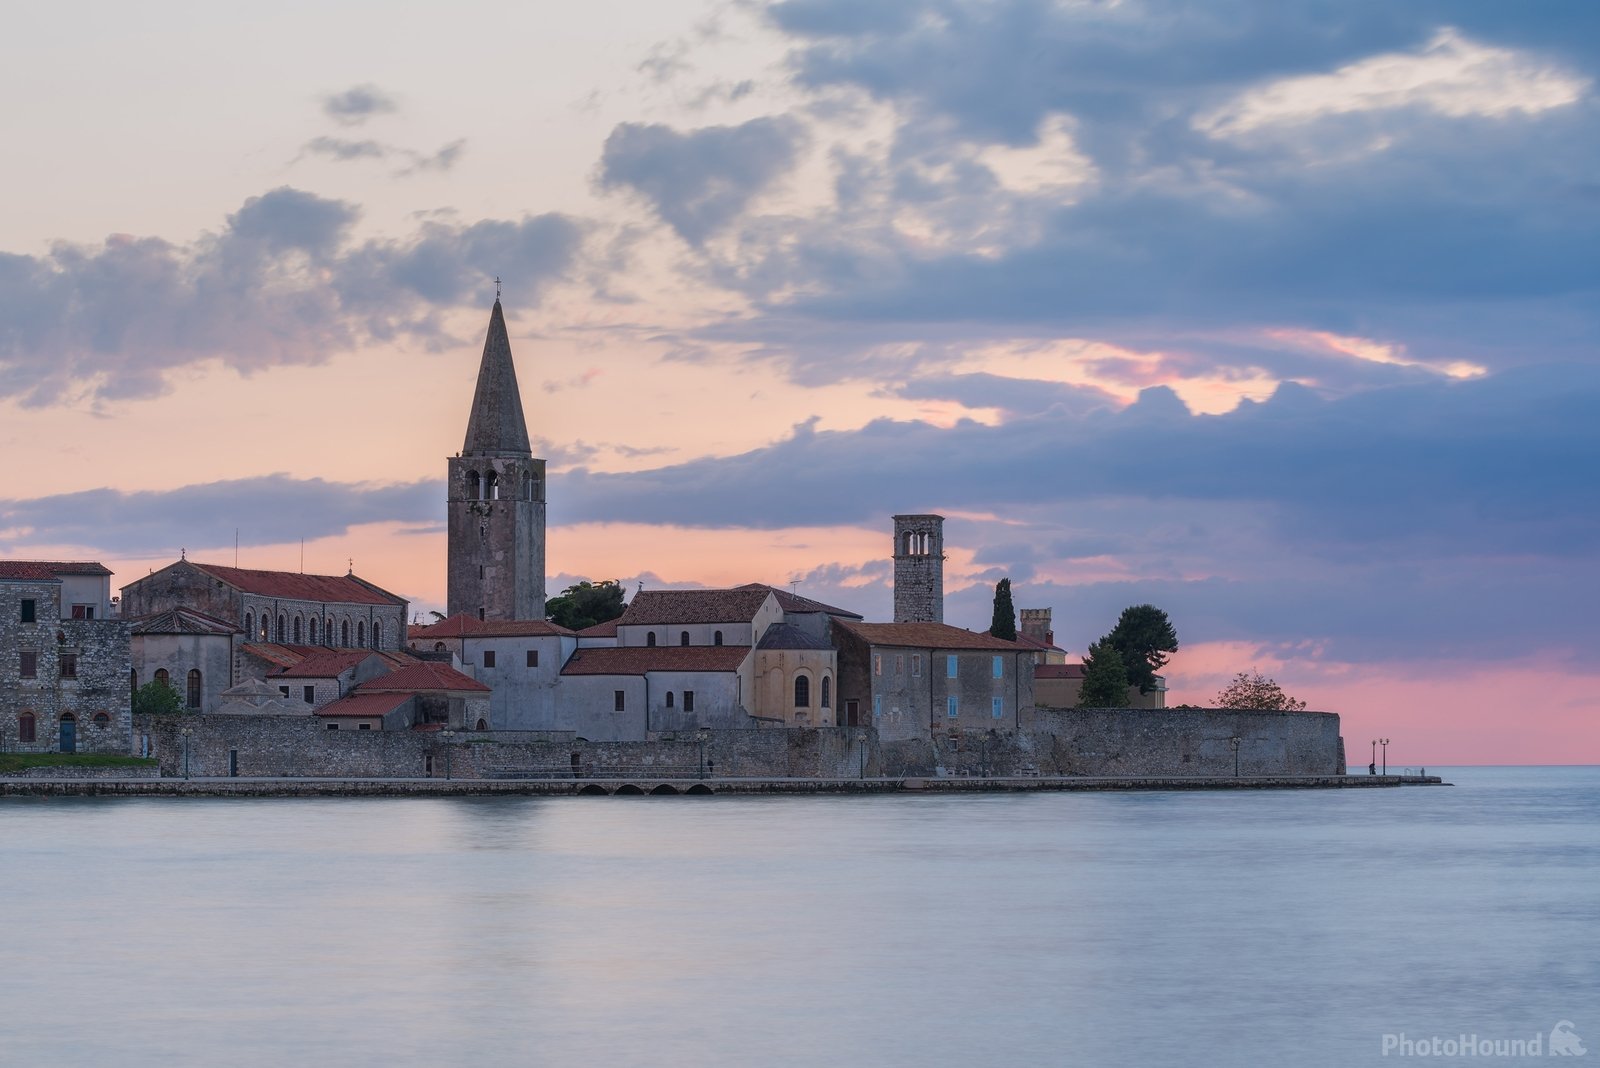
<point>1280,315</point>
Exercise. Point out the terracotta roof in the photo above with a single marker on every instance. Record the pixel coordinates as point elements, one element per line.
<point>927,636</point>
<point>653,607</point>
<point>182,621</point>
<point>290,655</point>
<point>793,602</point>
<point>423,675</point>
<point>640,660</point>
<point>466,625</point>
<point>789,636</point>
<point>608,629</point>
<point>1058,671</point>
<point>364,704</point>
<point>291,585</point>
<point>49,569</point>
<point>325,664</point>
<point>1029,641</point>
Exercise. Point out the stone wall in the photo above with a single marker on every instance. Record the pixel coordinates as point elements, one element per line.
<point>100,685</point>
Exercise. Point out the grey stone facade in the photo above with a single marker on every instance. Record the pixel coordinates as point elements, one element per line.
<point>65,681</point>
<point>496,499</point>
<point>919,569</point>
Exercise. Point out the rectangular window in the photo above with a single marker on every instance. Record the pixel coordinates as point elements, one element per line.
<point>69,665</point>
<point>83,611</point>
<point>950,667</point>
<point>30,664</point>
<point>916,665</point>
<point>284,690</point>
<point>533,658</point>
<point>618,701</point>
<point>333,726</point>
<point>952,707</point>
<point>877,663</point>
<point>999,668</point>
<point>877,706</point>
<point>899,664</point>
<point>310,693</point>
<point>998,708</point>
<point>363,726</point>
<point>29,610</point>
<point>688,700</point>
<point>488,658</point>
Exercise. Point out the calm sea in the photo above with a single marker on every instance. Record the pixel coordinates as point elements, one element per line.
<point>1101,929</point>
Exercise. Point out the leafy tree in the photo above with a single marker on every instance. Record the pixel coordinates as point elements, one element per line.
<point>1143,635</point>
<point>1004,624</point>
<point>156,697</point>
<point>1105,679</point>
<point>1251,689</point>
<point>586,604</point>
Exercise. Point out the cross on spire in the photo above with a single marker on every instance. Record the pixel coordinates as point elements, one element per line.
<point>496,287</point>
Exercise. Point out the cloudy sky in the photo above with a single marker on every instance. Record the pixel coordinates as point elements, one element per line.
<point>1281,315</point>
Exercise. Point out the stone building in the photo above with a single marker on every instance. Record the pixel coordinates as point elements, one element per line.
<point>520,660</point>
<point>64,661</point>
<point>191,652</point>
<point>496,498</point>
<point>919,569</point>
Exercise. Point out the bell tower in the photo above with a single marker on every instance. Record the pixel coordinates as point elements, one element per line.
<point>919,569</point>
<point>495,498</point>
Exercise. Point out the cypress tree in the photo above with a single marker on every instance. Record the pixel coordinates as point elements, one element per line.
<point>1004,623</point>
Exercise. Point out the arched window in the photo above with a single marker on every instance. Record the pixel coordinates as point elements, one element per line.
<point>102,720</point>
<point>283,627</point>
<point>474,490</point>
<point>716,638</point>
<point>377,635</point>
<point>344,634</point>
<point>438,647</point>
<point>802,690</point>
<point>297,630</point>
<point>327,632</point>
<point>27,728</point>
<point>492,490</point>
<point>312,637</point>
<point>827,697</point>
<point>683,639</point>
<point>162,677</point>
<point>361,634</point>
<point>249,626</point>
<point>194,688</point>
<point>910,542</point>
<point>650,638</point>
<point>527,487</point>
<point>483,724</point>
<point>669,698</point>
<point>134,679</point>
<point>266,627</point>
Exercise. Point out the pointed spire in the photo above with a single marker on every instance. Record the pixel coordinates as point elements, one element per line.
<point>497,426</point>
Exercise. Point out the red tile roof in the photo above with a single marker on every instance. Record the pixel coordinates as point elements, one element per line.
<point>608,629</point>
<point>364,704</point>
<point>927,636</point>
<point>290,585</point>
<point>182,621</point>
<point>465,625</point>
<point>1031,642</point>
<point>639,660</point>
<point>423,675</point>
<point>325,664</point>
<point>290,655</point>
<point>654,607</point>
<point>49,569</point>
<point>793,602</point>
<point>1058,671</point>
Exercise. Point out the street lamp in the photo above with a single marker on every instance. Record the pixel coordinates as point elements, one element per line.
<point>1385,743</point>
<point>1372,768</point>
<point>186,731</point>
<point>704,734</point>
<point>448,736</point>
<point>861,747</point>
<point>1233,743</point>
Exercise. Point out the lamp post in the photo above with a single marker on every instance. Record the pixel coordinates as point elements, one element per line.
<point>186,731</point>
<point>1385,743</point>
<point>1233,743</point>
<point>1372,768</point>
<point>704,734</point>
<point>448,736</point>
<point>861,748</point>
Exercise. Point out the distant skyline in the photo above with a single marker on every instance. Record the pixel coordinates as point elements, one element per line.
<point>1281,317</point>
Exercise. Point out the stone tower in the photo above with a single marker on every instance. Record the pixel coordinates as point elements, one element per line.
<point>496,498</point>
<point>1036,625</point>
<point>919,569</point>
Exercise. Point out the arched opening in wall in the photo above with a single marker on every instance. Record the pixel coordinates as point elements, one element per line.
<point>101,720</point>
<point>492,487</point>
<point>344,634</point>
<point>669,698</point>
<point>377,634</point>
<point>683,639</point>
<point>592,791</point>
<point>249,626</point>
<point>650,639</point>
<point>802,689</point>
<point>266,628</point>
<point>827,695</point>
<point>716,638</point>
<point>629,788</point>
<point>133,678</point>
<point>283,628</point>
<point>438,647</point>
<point>312,633</point>
<point>327,632</point>
<point>27,728</point>
<point>910,542</point>
<point>297,630</point>
<point>664,789</point>
<point>474,487</point>
<point>527,487</point>
<point>483,724</point>
<point>163,677</point>
<point>699,788</point>
<point>194,688</point>
<point>361,634</point>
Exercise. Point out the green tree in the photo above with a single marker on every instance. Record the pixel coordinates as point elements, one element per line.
<point>585,604</point>
<point>1004,624</point>
<point>1105,680</point>
<point>156,697</point>
<point>1251,689</point>
<point>1143,635</point>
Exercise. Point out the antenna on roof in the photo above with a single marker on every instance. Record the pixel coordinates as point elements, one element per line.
<point>302,556</point>
<point>235,546</point>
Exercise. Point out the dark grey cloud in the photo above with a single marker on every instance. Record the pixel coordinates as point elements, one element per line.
<point>701,180</point>
<point>282,282</point>
<point>1013,395</point>
<point>357,104</point>
<point>346,150</point>
<point>265,510</point>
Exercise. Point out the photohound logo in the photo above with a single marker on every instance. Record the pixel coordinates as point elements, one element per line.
<point>1563,1042</point>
